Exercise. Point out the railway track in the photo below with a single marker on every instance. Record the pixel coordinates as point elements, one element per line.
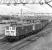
<point>3,42</point>
<point>22,43</point>
<point>8,46</point>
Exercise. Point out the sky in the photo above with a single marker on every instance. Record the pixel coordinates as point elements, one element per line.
<point>37,8</point>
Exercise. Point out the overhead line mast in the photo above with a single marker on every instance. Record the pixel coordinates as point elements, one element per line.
<point>21,11</point>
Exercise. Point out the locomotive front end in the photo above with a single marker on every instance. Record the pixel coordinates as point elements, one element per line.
<point>10,31</point>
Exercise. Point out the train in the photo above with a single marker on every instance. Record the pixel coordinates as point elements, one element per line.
<point>20,30</point>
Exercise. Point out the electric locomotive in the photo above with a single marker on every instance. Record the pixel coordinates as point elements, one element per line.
<point>22,29</point>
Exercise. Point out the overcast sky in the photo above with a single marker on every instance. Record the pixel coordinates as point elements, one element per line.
<point>37,8</point>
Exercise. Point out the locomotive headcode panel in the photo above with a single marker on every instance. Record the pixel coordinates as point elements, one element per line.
<point>10,31</point>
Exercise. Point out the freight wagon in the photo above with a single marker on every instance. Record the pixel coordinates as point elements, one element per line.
<point>21,30</point>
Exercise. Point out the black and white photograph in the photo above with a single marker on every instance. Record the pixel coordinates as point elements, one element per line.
<point>25,24</point>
